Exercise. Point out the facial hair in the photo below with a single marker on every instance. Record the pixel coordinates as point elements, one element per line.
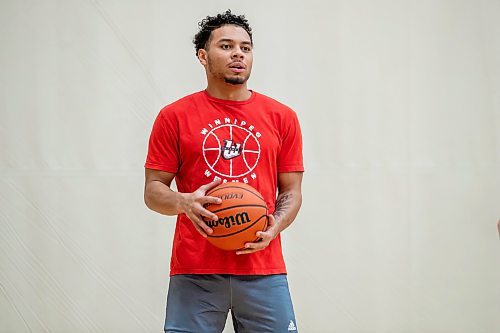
<point>234,80</point>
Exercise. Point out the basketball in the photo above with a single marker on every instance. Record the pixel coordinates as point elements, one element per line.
<point>242,213</point>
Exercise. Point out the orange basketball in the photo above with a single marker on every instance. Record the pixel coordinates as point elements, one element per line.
<point>242,213</point>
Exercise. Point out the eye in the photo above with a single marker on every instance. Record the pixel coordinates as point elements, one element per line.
<point>225,46</point>
<point>246,48</point>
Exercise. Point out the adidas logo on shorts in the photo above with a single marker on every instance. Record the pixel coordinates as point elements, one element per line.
<point>291,326</point>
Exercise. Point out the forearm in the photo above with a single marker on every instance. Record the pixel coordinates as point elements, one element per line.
<point>162,199</point>
<point>287,207</point>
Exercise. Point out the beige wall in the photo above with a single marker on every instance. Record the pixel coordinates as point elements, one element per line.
<point>399,103</point>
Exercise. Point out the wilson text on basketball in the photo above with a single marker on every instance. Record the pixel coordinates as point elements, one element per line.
<point>229,221</point>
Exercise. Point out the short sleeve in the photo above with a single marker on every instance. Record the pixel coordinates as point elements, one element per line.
<point>290,155</point>
<point>163,150</point>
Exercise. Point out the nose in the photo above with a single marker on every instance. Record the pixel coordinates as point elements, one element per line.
<point>238,53</point>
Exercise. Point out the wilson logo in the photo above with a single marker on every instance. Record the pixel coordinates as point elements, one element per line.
<point>229,221</point>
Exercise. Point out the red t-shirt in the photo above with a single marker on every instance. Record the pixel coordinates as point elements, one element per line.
<point>201,138</point>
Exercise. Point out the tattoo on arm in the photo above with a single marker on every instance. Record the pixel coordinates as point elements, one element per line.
<point>282,204</point>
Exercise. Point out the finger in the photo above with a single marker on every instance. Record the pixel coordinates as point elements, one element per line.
<point>208,214</point>
<point>264,235</point>
<point>205,227</point>
<point>252,247</point>
<point>200,225</point>
<point>268,233</point>
<point>247,251</point>
<point>211,200</point>
<point>200,230</point>
<point>271,221</point>
<point>209,186</point>
<point>257,245</point>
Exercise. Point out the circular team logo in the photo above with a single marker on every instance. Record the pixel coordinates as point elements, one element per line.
<point>231,150</point>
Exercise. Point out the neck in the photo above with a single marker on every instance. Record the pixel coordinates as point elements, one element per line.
<point>229,92</point>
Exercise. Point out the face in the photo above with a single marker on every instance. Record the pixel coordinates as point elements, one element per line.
<point>228,56</point>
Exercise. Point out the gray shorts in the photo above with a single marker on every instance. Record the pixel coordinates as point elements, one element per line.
<point>258,304</point>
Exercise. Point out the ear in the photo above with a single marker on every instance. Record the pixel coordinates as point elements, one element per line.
<point>202,56</point>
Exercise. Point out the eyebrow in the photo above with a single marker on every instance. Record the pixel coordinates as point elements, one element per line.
<point>232,41</point>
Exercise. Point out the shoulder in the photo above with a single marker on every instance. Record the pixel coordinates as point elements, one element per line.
<point>275,107</point>
<point>181,105</point>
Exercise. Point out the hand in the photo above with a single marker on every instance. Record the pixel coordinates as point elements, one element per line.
<point>265,237</point>
<point>193,206</point>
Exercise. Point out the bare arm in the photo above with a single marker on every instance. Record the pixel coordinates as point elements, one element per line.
<point>159,197</point>
<point>289,199</point>
<point>287,206</point>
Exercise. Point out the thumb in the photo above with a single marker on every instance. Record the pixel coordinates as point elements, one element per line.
<point>271,221</point>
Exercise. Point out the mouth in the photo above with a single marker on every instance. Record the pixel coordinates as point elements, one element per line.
<point>237,67</point>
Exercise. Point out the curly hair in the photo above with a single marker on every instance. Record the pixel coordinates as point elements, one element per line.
<point>210,23</point>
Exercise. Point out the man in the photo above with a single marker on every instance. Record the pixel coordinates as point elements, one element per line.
<point>188,142</point>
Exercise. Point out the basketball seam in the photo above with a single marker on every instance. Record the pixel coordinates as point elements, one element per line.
<point>265,227</point>
<point>240,188</point>
<point>236,206</point>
